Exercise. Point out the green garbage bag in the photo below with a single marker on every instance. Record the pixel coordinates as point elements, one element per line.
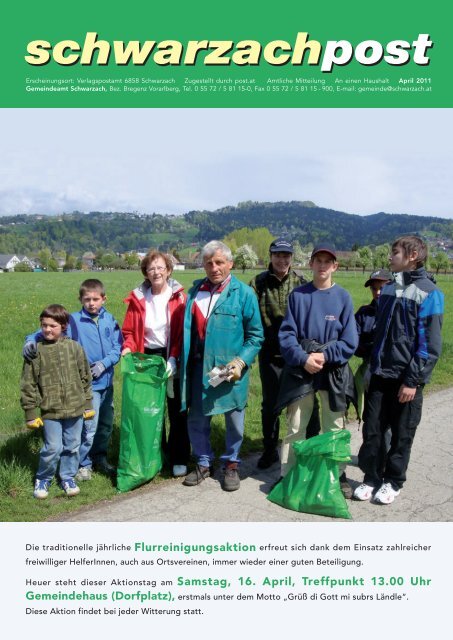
<point>142,419</point>
<point>312,485</point>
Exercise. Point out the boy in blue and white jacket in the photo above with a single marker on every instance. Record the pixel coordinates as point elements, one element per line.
<point>407,345</point>
<point>97,331</point>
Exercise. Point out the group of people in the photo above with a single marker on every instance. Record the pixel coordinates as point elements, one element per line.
<point>304,334</point>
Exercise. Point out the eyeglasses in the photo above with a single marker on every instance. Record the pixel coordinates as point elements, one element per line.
<point>153,269</point>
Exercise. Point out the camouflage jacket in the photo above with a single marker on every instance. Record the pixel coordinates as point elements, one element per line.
<point>272,296</point>
<point>57,381</point>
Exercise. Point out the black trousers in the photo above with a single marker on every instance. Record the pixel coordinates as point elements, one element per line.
<point>271,367</point>
<point>382,411</point>
<point>176,448</point>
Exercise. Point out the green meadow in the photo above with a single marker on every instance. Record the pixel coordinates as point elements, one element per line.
<point>22,298</point>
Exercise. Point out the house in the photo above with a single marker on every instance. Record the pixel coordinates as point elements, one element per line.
<point>177,265</point>
<point>31,263</point>
<point>8,261</point>
<point>88,259</point>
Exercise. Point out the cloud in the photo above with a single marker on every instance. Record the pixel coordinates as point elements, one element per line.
<point>172,161</point>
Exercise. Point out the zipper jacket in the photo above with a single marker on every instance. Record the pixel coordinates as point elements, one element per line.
<point>101,339</point>
<point>407,340</point>
<point>134,322</point>
<point>272,296</point>
<point>233,330</point>
<point>57,381</point>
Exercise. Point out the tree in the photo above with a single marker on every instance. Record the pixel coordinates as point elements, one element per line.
<point>106,261</point>
<point>258,239</point>
<point>52,265</point>
<point>381,256</point>
<point>364,258</point>
<point>299,257</point>
<point>44,257</point>
<point>132,260</point>
<point>349,262</point>
<point>22,267</point>
<point>437,261</point>
<point>245,258</point>
<point>70,263</point>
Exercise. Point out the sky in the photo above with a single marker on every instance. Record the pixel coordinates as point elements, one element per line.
<point>171,161</point>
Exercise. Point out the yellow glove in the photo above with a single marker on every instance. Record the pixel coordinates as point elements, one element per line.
<point>89,413</point>
<point>235,368</point>
<point>35,424</point>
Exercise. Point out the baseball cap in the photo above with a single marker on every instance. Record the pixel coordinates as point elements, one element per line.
<point>380,274</point>
<point>281,245</point>
<point>327,248</point>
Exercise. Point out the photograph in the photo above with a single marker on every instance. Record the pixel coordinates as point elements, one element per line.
<point>156,247</point>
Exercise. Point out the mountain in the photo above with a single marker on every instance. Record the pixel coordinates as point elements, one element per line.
<point>120,231</point>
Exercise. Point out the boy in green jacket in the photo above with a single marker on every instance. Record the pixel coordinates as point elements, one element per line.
<point>58,382</point>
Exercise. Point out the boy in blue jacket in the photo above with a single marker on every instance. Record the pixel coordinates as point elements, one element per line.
<point>97,331</point>
<point>406,347</point>
<point>319,311</point>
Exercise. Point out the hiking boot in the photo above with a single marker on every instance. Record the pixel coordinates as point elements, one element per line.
<point>345,487</point>
<point>231,480</point>
<point>104,467</point>
<point>179,470</point>
<point>386,494</point>
<point>363,492</point>
<point>41,489</point>
<point>268,458</point>
<point>276,483</point>
<point>69,487</point>
<point>84,473</point>
<point>197,476</point>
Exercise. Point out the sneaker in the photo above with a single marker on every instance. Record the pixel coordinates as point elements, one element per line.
<point>363,492</point>
<point>231,480</point>
<point>345,487</point>
<point>102,466</point>
<point>41,489</point>
<point>69,487</point>
<point>386,494</point>
<point>179,470</point>
<point>84,473</point>
<point>268,458</point>
<point>197,476</point>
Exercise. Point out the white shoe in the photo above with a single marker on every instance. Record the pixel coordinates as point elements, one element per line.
<point>84,473</point>
<point>179,470</point>
<point>363,492</point>
<point>41,489</point>
<point>70,488</point>
<point>386,494</point>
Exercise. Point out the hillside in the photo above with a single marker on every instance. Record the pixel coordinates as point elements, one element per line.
<point>303,221</point>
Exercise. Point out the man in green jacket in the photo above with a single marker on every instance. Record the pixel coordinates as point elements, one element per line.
<point>222,331</point>
<point>272,288</point>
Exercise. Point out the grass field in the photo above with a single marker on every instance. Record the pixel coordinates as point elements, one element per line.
<point>22,298</point>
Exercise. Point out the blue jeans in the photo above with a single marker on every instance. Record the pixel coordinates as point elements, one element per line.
<point>96,432</point>
<point>199,426</point>
<point>61,444</point>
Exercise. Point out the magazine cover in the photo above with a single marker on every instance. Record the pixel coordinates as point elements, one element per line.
<point>226,245</point>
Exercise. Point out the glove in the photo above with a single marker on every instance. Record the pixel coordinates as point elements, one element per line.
<point>88,414</point>
<point>171,366</point>
<point>235,368</point>
<point>97,369</point>
<point>30,350</point>
<point>35,424</point>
